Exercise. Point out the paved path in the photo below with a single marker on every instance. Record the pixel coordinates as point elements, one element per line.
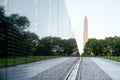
<point>57,72</point>
<point>42,70</point>
<point>98,69</point>
<point>57,69</point>
<point>111,68</point>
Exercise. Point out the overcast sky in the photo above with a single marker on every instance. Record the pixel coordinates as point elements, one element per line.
<point>103,18</point>
<point>52,17</point>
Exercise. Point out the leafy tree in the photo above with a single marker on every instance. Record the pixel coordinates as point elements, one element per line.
<point>108,46</point>
<point>31,40</point>
<point>20,22</point>
<point>116,46</point>
<point>2,11</point>
<point>69,46</point>
<point>14,26</point>
<point>93,47</point>
<point>56,46</point>
<point>47,44</point>
<point>2,32</point>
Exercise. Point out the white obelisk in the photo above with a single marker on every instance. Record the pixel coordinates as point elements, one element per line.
<point>85,30</point>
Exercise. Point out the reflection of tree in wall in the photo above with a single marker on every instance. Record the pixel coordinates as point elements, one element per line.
<point>13,34</point>
<point>56,46</point>
<point>16,41</point>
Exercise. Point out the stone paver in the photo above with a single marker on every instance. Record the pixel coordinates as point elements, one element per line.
<point>90,71</point>
<point>111,68</point>
<point>57,72</point>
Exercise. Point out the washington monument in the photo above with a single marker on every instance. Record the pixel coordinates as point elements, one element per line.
<point>85,30</point>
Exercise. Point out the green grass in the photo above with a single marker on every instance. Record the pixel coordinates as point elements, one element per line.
<point>7,62</point>
<point>114,58</point>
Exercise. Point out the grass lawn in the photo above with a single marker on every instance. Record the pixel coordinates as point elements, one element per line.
<point>6,62</point>
<point>115,58</point>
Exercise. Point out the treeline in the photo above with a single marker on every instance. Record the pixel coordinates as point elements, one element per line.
<point>110,46</point>
<point>56,46</point>
<point>16,41</point>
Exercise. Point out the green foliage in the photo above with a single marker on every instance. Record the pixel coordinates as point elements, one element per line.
<point>56,46</point>
<point>114,58</point>
<point>108,46</point>
<point>21,22</point>
<point>14,40</point>
<point>69,46</point>
<point>92,48</point>
<point>7,62</point>
<point>31,41</point>
<point>2,11</point>
<point>46,45</point>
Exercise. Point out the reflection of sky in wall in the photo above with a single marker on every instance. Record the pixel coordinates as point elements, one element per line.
<point>47,17</point>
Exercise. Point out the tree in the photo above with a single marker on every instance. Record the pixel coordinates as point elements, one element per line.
<point>69,46</point>
<point>93,47</point>
<point>2,11</point>
<point>47,45</point>
<point>106,47</point>
<point>31,40</point>
<point>56,46</point>
<point>20,22</point>
<point>116,46</point>
<point>3,41</point>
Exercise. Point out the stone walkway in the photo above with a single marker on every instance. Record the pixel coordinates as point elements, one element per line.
<point>25,71</point>
<point>98,69</point>
<point>58,72</point>
<point>53,69</point>
<point>111,68</point>
<point>58,69</point>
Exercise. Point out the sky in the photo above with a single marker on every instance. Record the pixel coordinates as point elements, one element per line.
<point>103,18</point>
<point>64,17</point>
